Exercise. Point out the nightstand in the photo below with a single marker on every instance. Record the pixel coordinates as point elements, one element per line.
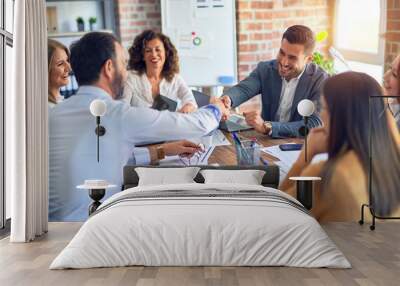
<point>304,189</point>
<point>97,191</point>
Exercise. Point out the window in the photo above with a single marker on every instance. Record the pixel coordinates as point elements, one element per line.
<point>9,12</point>
<point>359,25</point>
<point>6,43</point>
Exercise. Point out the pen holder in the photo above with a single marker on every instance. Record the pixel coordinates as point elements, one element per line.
<point>248,153</point>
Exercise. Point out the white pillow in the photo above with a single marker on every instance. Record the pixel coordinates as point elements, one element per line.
<point>166,176</point>
<point>248,177</point>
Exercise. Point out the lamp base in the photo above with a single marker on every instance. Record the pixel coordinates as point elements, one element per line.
<point>96,195</point>
<point>303,131</point>
<point>100,130</point>
<point>304,193</point>
<point>304,189</point>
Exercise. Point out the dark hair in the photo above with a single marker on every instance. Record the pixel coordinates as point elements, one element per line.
<point>299,34</point>
<point>347,96</point>
<point>89,54</point>
<point>136,60</point>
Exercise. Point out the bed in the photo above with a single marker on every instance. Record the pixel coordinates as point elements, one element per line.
<point>198,224</point>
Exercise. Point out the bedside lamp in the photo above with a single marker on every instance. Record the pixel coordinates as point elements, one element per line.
<point>98,108</point>
<point>304,185</point>
<point>305,108</point>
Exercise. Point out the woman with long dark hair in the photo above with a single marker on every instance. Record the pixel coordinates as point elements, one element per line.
<point>154,70</point>
<point>345,137</point>
<point>391,85</point>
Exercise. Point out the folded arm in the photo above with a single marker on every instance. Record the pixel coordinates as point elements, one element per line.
<point>291,129</point>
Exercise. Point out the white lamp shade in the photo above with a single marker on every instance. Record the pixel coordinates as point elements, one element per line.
<point>306,107</point>
<point>98,107</point>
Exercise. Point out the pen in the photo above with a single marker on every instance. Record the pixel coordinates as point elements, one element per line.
<point>236,139</point>
<point>253,142</point>
<point>264,161</point>
<point>205,155</point>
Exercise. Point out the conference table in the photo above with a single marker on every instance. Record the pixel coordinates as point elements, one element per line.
<point>226,155</point>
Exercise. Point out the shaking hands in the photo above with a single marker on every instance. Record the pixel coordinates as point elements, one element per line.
<point>220,103</point>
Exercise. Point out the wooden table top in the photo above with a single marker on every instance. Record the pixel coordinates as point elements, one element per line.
<point>226,155</point>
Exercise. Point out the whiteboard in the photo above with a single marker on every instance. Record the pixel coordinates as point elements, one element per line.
<point>204,33</point>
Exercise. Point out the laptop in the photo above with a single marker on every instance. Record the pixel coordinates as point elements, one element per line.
<point>164,103</point>
<point>235,123</point>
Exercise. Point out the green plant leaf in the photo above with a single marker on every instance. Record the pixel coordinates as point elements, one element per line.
<point>321,36</point>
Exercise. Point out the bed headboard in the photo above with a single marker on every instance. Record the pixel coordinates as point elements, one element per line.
<point>270,179</point>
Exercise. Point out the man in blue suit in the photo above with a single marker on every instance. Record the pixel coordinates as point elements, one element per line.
<point>282,83</point>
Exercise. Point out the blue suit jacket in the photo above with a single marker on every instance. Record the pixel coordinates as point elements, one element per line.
<point>265,79</point>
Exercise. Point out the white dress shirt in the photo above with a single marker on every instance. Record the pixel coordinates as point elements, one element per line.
<point>137,91</point>
<point>286,99</point>
<point>72,144</point>
<point>51,104</point>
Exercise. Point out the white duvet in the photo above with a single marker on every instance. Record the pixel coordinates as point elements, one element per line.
<point>188,231</point>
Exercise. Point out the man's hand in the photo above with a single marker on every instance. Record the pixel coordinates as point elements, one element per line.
<point>219,103</point>
<point>183,148</point>
<point>187,108</point>
<point>254,119</point>
<point>226,101</point>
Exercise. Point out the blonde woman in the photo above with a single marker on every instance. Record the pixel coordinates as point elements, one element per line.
<point>59,70</point>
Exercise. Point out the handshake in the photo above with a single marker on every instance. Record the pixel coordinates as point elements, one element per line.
<point>253,118</point>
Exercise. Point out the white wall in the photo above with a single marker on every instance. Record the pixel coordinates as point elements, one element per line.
<point>67,12</point>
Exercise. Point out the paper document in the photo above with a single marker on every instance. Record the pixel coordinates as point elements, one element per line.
<point>200,158</point>
<point>288,158</point>
<point>216,138</point>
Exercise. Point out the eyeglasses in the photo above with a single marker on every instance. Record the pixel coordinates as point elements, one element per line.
<point>189,161</point>
<point>197,158</point>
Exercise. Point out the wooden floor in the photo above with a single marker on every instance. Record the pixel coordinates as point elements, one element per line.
<point>375,257</point>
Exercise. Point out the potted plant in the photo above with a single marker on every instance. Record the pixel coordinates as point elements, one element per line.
<point>319,59</point>
<point>81,24</point>
<point>92,23</point>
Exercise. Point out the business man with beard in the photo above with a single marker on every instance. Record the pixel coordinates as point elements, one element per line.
<point>99,65</point>
<point>282,83</point>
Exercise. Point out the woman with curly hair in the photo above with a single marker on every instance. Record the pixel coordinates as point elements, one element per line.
<point>154,70</point>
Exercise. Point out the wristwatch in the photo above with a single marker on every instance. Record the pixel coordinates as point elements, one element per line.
<point>268,127</point>
<point>160,152</point>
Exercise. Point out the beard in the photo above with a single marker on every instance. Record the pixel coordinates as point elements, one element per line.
<point>290,73</point>
<point>118,86</point>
